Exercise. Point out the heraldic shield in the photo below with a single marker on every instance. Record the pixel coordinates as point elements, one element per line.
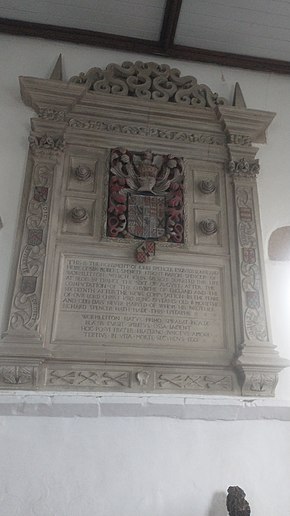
<point>146,216</point>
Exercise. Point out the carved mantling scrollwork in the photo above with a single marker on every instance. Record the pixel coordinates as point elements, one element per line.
<point>149,81</point>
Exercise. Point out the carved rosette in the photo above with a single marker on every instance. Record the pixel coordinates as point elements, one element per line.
<point>25,308</point>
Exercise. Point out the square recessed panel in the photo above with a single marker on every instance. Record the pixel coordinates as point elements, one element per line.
<point>251,27</point>
<point>135,18</point>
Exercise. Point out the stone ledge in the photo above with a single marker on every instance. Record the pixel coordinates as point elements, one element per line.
<point>55,404</point>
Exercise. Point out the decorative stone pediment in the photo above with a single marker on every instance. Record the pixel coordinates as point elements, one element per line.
<point>149,81</point>
<point>140,264</point>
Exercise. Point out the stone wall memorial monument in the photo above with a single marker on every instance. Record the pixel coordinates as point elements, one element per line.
<point>139,265</point>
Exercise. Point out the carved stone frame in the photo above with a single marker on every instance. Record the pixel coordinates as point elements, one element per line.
<point>138,106</point>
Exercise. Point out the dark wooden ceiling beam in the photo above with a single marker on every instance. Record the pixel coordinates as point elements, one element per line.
<point>170,20</point>
<point>100,39</point>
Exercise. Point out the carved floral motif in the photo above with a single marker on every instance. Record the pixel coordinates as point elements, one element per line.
<point>145,196</point>
<point>82,173</point>
<point>79,214</point>
<point>254,312</point>
<point>243,168</point>
<point>46,144</point>
<point>149,81</point>
<point>240,139</point>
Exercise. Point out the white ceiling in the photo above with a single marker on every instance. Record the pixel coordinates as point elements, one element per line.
<point>135,18</point>
<point>251,27</point>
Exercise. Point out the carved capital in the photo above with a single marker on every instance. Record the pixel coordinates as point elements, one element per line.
<point>52,114</point>
<point>46,146</point>
<point>243,168</point>
<point>257,382</point>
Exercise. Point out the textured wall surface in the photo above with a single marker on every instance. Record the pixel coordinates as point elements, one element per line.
<point>144,467</point>
<point>128,466</point>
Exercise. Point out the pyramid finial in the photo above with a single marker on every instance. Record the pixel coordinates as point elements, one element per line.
<point>57,71</point>
<point>239,100</point>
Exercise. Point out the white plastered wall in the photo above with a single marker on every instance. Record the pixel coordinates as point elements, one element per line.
<point>137,466</point>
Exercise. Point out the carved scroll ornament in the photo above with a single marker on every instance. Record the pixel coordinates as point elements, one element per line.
<point>149,81</point>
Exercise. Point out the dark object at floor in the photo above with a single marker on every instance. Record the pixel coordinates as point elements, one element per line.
<point>237,505</point>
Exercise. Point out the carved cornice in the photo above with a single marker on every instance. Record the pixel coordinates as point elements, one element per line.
<point>243,168</point>
<point>149,81</point>
<point>154,132</point>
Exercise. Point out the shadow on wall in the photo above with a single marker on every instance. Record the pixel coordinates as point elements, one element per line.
<point>218,505</point>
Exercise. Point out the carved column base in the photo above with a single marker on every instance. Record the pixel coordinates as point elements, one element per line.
<point>258,374</point>
<point>19,374</point>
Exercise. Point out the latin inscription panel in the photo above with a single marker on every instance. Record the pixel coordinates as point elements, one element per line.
<point>108,302</point>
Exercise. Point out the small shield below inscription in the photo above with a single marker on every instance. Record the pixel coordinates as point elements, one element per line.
<point>146,216</point>
<point>145,252</point>
<point>40,193</point>
<point>35,236</point>
<point>28,284</point>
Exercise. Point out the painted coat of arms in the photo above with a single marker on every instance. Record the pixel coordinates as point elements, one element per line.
<point>145,196</point>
